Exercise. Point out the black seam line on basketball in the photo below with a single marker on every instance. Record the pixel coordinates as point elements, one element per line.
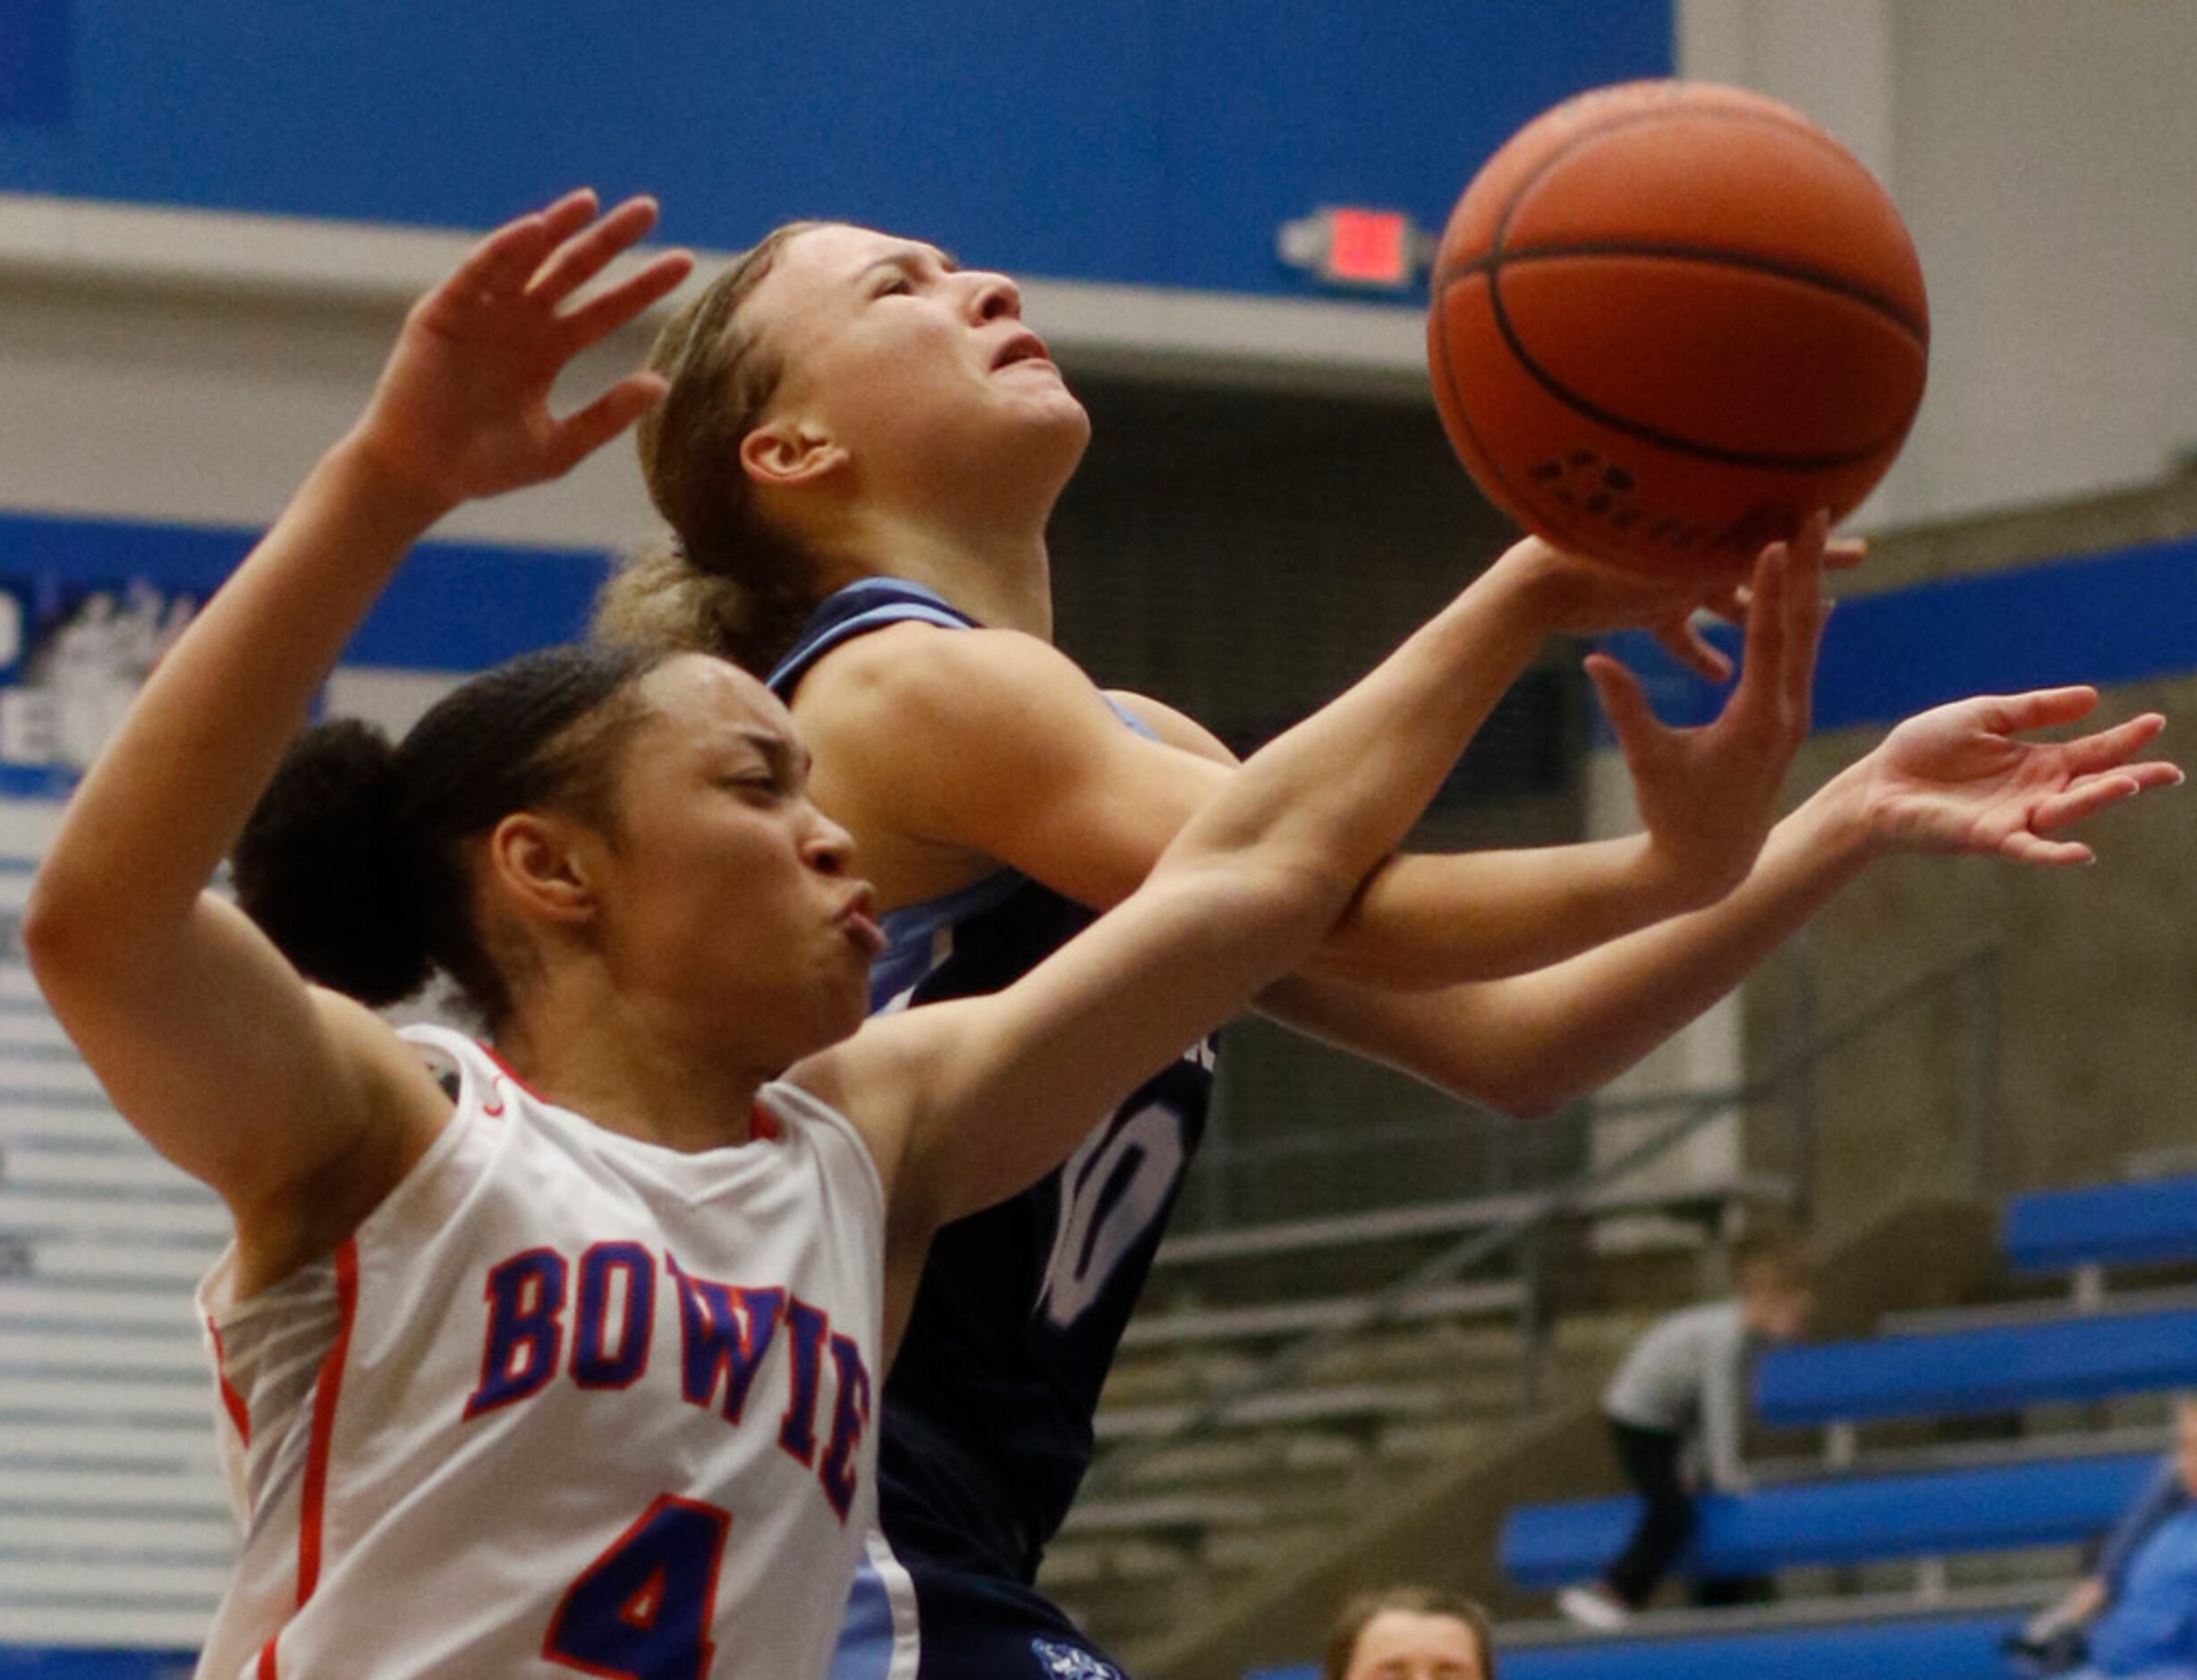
<point>1712,255</point>
<point>1671,440</point>
<point>1498,252</point>
<point>1787,124</point>
<point>1464,414</point>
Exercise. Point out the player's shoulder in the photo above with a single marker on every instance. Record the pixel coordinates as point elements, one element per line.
<point>1176,729</point>
<point>916,678</point>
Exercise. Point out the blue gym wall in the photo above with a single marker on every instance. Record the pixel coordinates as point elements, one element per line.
<point>2126,616</point>
<point>1145,142</point>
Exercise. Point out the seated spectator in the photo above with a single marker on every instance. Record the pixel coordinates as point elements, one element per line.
<point>1676,1412</point>
<point>1410,1633</point>
<point>2136,1615</point>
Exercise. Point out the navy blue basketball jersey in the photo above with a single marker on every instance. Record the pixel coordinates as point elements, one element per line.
<point>988,1410</point>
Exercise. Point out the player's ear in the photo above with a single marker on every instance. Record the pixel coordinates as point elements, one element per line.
<point>541,864</point>
<point>787,451</point>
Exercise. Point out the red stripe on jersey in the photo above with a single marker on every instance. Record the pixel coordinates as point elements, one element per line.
<point>239,1412</point>
<point>510,1073</point>
<point>266,1660</point>
<point>764,1124</point>
<point>325,1393</point>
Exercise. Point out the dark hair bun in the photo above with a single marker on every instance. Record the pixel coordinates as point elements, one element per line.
<point>327,869</point>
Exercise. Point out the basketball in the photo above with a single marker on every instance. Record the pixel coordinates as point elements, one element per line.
<point>1671,318</point>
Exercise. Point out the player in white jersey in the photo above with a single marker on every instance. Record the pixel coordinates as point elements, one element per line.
<point>575,1370</point>
<point>537,1303</point>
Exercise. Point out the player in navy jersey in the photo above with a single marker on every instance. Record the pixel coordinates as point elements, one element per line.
<point>857,455</point>
<point>573,1367</point>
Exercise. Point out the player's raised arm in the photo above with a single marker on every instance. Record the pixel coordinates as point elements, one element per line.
<point>1958,778</point>
<point>990,1093</point>
<point>993,744</point>
<point>206,1038</point>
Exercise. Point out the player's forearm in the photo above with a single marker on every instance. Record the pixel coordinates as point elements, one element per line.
<point>1530,1043</point>
<point>1427,921</point>
<point>1337,793</point>
<point>168,796</point>
<point>1592,1017</point>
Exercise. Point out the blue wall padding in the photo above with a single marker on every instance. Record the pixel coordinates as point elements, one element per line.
<point>453,607</point>
<point>36,59</point>
<point>1998,1369</point>
<point>2059,1502</point>
<point>2108,1225</point>
<point>458,606</point>
<point>73,1663</point>
<point>1138,140</point>
<point>1963,1648</point>
<point>2104,619</point>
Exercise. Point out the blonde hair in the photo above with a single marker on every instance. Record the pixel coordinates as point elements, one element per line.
<point>755,586</point>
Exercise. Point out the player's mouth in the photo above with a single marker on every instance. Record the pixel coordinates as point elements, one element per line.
<point>1023,347</point>
<point>857,918</point>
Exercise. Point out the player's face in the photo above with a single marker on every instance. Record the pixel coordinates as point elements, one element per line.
<point>922,370</point>
<point>727,892</point>
<point>1406,1645</point>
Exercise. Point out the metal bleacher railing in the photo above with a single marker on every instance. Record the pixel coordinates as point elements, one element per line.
<point>1488,1228</point>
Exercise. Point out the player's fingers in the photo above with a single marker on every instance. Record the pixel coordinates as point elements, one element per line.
<point>1682,639</point>
<point>585,251</point>
<point>1843,554</point>
<point>604,314</point>
<point>1769,632</point>
<point>2157,773</point>
<point>2081,798</point>
<point>2110,747</point>
<point>1729,605</point>
<point>581,434</point>
<point>2023,847</point>
<point>499,264</point>
<point>2039,708</point>
<point>1624,700</point>
<point>1805,609</point>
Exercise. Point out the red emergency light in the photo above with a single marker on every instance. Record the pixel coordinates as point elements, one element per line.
<point>1343,245</point>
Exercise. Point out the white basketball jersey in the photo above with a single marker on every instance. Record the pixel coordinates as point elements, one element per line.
<point>564,1402</point>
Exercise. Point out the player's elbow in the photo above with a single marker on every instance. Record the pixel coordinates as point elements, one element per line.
<point>55,930</point>
<point>1517,1086</point>
<point>73,932</point>
<point>1285,899</point>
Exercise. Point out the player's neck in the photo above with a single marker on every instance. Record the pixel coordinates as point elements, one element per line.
<point>611,1067</point>
<point>1001,575</point>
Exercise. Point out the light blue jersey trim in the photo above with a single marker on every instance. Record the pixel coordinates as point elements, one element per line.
<point>920,937</point>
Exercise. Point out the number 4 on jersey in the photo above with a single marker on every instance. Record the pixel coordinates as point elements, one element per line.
<point>642,1610</point>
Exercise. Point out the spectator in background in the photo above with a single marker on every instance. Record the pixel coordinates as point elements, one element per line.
<point>2137,1612</point>
<point>1410,1633</point>
<point>1677,1412</point>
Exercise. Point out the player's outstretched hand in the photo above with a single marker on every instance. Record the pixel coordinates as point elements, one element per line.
<point>1708,795</point>
<point>1956,778</point>
<point>462,407</point>
<point>1589,598</point>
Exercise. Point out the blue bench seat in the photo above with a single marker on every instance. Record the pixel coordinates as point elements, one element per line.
<point>2001,1507</point>
<point>1942,1648</point>
<point>2104,1224</point>
<point>2000,1369</point>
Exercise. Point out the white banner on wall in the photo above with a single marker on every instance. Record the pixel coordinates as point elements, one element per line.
<point>114,1527</point>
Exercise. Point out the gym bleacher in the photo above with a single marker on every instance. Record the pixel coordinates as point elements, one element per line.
<point>2059,1375</point>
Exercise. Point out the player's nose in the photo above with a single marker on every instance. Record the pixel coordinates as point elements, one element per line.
<point>825,847</point>
<point>995,297</point>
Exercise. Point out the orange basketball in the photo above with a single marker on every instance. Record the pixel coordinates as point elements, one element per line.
<point>1669,319</point>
